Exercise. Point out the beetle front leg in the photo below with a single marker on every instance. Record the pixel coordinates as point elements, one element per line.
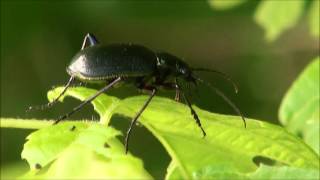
<point>194,114</point>
<point>172,86</point>
<point>177,97</point>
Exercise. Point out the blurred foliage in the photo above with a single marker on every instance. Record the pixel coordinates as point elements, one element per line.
<point>38,38</point>
<point>223,5</point>
<point>299,111</point>
<point>277,16</point>
<point>314,18</point>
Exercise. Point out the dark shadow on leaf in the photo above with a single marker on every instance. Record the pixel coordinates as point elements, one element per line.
<point>258,160</point>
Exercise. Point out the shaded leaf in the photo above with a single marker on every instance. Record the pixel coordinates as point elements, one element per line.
<point>276,16</point>
<point>299,110</point>
<point>13,170</point>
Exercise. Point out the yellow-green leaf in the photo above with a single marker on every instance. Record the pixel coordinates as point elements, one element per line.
<point>299,110</point>
<point>227,144</point>
<point>79,150</point>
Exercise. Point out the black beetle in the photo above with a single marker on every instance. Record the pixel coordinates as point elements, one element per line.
<point>135,64</point>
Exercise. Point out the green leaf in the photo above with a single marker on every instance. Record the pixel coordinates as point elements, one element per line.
<point>275,16</point>
<point>224,5</point>
<point>44,145</point>
<point>263,172</point>
<point>102,105</point>
<point>276,173</point>
<point>227,144</point>
<point>314,18</point>
<point>79,150</point>
<point>173,171</point>
<point>13,170</point>
<point>299,110</point>
<point>218,171</point>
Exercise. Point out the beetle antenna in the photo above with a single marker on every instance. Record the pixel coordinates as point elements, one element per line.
<point>223,75</point>
<point>50,104</point>
<point>224,97</point>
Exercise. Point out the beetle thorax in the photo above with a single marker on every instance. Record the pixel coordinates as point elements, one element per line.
<point>169,65</point>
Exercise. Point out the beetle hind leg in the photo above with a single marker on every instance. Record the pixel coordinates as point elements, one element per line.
<point>104,89</point>
<point>50,104</point>
<point>89,40</point>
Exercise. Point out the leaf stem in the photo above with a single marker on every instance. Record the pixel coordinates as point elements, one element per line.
<point>24,123</point>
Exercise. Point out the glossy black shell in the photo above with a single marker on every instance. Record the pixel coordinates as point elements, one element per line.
<point>117,60</point>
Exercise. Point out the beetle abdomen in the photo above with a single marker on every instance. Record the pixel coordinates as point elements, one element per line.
<point>105,62</point>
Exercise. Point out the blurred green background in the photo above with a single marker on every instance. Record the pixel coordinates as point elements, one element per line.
<point>38,39</point>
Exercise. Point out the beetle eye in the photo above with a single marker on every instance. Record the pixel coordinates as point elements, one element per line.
<point>185,71</point>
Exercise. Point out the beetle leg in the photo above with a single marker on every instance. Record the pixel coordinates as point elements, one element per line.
<point>50,104</point>
<point>89,40</point>
<point>172,86</point>
<point>194,114</point>
<point>88,100</point>
<point>177,97</point>
<point>134,120</point>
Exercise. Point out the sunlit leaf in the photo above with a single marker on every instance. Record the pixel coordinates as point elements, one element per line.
<point>173,172</point>
<point>44,145</point>
<point>276,173</point>
<point>263,172</point>
<point>276,16</point>
<point>79,150</point>
<point>227,144</point>
<point>299,110</point>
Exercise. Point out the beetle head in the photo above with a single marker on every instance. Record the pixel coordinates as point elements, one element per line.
<point>170,65</point>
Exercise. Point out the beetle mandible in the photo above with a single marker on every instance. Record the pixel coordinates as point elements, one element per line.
<point>136,64</point>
